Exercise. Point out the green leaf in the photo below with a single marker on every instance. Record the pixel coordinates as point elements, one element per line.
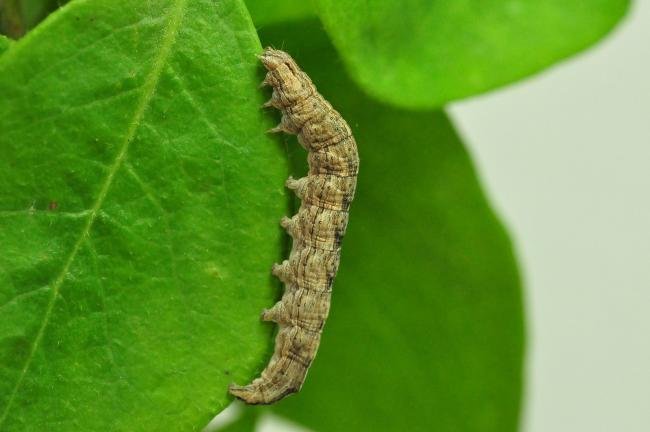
<point>266,12</point>
<point>5,43</point>
<point>139,209</point>
<point>425,331</point>
<point>425,53</point>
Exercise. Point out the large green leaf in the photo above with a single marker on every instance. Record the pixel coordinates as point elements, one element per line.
<point>423,53</point>
<point>425,331</point>
<point>139,208</point>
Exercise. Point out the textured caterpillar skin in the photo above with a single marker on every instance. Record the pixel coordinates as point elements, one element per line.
<point>317,228</point>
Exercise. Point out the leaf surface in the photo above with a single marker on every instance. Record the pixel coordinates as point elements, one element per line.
<point>425,331</point>
<point>139,208</point>
<point>422,53</point>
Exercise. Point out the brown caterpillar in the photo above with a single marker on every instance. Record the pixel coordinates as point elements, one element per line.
<point>317,228</point>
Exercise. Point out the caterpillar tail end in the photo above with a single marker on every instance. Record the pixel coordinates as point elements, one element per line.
<point>259,393</point>
<point>246,393</point>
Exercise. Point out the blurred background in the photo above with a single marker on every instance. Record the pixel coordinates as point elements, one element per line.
<point>564,158</point>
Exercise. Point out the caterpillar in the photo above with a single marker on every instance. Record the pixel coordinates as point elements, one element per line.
<point>317,229</point>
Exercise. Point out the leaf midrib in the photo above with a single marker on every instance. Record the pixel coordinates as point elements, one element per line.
<point>149,88</point>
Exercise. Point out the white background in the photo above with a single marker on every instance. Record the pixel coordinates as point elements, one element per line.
<point>565,160</point>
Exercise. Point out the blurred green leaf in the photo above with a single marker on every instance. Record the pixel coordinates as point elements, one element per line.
<point>139,209</point>
<point>266,12</point>
<point>426,330</point>
<point>422,53</point>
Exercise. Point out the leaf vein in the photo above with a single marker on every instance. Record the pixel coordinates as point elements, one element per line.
<point>24,295</point>
<point>62,112</point>
<point>33,212</point>
<point>199,110</point>
<point>149,90</point>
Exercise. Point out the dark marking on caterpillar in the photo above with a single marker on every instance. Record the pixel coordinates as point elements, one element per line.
<point>317,228</point>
